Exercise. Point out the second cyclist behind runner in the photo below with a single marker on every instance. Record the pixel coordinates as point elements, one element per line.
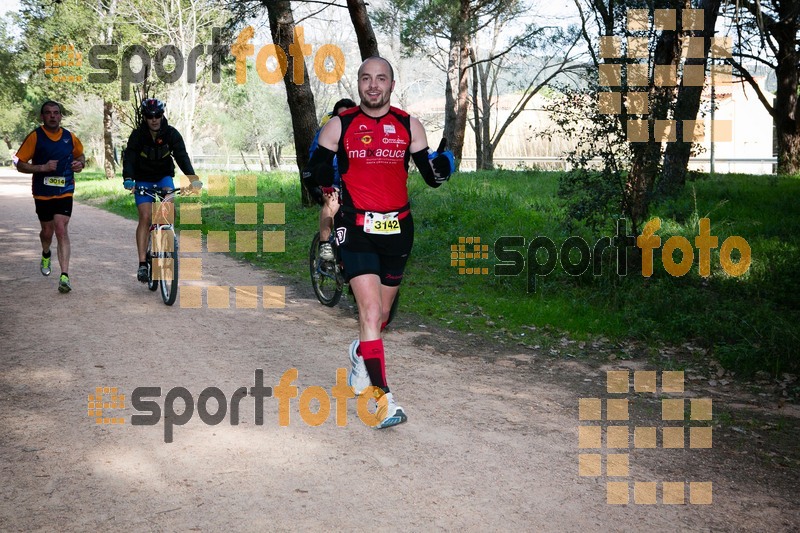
<point>328,196</point>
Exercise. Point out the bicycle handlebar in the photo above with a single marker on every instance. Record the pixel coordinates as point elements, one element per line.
<point>165,192</point>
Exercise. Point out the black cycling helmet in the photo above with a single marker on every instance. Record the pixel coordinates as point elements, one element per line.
<point>152,107</point>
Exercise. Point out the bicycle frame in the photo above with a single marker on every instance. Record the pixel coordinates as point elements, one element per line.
<point>160,247</point>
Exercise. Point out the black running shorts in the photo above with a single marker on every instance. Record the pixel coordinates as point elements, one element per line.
<point>364,253</point>
<point>47,209</point>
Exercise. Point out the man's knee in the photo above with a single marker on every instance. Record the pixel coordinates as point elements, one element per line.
<point>46,233</point>
<point>61,232</point>
<point>60,227</point>
<point>145,216</point>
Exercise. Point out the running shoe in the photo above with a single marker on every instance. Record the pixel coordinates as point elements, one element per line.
<point>141,274</point>
<point>326,252</point>
<point>358,378</point>
<point>63,284</point>
<point>45,266</point>
<point>389,413</point>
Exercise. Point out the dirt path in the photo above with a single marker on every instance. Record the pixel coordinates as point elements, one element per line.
<point>487,445</point>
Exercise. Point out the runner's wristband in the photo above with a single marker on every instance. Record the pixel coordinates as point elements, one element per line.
<point>421,160</point>
<point>319,170</point>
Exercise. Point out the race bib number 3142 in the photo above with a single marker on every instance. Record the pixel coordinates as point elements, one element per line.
<point>381,223</point>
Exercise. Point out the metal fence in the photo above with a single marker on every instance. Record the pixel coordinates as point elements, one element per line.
<point>252,162</point>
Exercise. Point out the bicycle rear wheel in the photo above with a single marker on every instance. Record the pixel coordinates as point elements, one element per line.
<point>169,277</point>
<point>325,277</point>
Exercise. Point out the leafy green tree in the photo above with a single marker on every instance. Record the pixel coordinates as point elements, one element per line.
<point>253,117</point>
<point>186,29</point>
<point>12,91</point>
<point>58,39</point>
<point>443,31</point>
<point>641,67</point>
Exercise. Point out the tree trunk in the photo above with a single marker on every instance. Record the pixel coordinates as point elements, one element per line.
<point>487,157</point>
<point>457,84</point>
<point>476,113</point>
<point>244,160</point>
<point>275,156</point>
<point>647,155</point>
<point>789,152</point>
<point>299,96</point>
<point>261,159</point>
<point>109,165</point>
<point>676,158</point>
<point>367,43</point>
<point>787,106</point>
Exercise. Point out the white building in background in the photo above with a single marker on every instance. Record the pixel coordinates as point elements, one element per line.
<point>750,148</point>
<point>744,121</point>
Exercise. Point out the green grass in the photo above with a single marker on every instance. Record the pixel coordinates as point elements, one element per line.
<point>749,323</point>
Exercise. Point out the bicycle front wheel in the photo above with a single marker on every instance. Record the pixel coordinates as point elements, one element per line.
<point>152,283</point>
<point>325,277</point>
<point>169,281</point>
<point>165,263</point>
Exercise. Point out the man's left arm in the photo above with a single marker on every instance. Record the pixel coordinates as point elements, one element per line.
<point>78,157</point>
<point>180,154</point>
<point>435,170</point>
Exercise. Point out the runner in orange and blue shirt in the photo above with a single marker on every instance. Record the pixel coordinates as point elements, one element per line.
<point>373,144</point>
<point>53,155</point>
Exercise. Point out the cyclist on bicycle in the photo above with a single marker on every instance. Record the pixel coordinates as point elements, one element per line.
<point>374,228</point>
<point>328,196</point>
<point>148,161</point>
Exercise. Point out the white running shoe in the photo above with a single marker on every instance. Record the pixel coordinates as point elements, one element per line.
<point>389,413</point>
<point>358,378</point>
<point>326,252</point>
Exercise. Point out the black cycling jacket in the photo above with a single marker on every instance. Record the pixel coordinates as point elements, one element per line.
<point>149,159</point>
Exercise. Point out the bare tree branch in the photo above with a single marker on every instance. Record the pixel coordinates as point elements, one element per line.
<point>749,78</point>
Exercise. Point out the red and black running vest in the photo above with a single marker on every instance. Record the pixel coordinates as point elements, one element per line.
<point>373,160</point>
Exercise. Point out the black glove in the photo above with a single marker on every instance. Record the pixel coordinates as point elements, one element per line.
<point>443,162</point>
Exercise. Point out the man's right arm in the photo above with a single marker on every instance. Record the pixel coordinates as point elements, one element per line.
<point>29,168</point>
<point>129,157</point>
<point>25,154</point>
